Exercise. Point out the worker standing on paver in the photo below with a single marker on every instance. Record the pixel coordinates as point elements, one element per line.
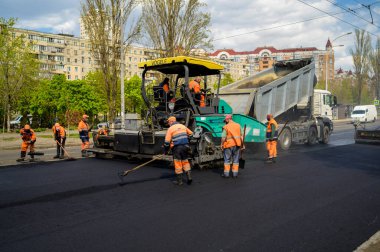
<point>195,88</point>
<point>271,135</point>
<point>28,139</point>
<point>232,141</point>
<point>59,135</point>
<point>84,134</point>
<point>177,139</point>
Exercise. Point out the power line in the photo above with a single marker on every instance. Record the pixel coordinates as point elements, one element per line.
<point>280,26</point>
<point>336,17</point>
<point>354,13</point>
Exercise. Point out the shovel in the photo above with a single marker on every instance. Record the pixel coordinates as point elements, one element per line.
<point>241,160</point>
<point>67,154</point>
<point>125,173</point>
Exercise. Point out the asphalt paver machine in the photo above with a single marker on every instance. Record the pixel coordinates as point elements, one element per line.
<point>205,121</point>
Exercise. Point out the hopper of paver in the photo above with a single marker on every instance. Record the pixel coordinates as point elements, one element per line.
<point>273,91</point>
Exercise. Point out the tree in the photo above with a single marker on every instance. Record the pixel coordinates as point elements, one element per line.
<point>18,69</point>
<point>360,56</point>
<point>375,68</point>
<point>103,21</point>
<point>226,79</point>
<point>133,98</point>
<point>174,27</point>
<point>64,100</point>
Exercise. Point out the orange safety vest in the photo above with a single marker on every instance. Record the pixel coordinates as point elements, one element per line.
<point>31,136</point>
<point>269,134</point>
<point>177,134</point>
<point>61,132</point>
<point>233,137</point>
<point>195,86</point>
<point>165,87</point>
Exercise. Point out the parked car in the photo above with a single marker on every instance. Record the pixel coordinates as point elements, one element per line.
<point>16,123</point>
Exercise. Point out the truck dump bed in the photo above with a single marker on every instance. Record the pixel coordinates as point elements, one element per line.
<point>273,91</point>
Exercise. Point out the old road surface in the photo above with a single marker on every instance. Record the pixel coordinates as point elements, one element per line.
<point>318,198</point>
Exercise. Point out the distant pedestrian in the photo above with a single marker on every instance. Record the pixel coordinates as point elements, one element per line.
<point>84,134</point>
<point>232,141</point>
<point>28,139</point>
<point>271,137</point>
<point>59,135</point>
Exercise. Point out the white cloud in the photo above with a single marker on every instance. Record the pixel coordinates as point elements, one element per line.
<point>232,18</point>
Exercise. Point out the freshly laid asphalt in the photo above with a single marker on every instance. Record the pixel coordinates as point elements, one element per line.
<point>320,200</point>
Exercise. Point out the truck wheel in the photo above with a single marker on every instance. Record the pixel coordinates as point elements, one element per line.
<point>326,135</point>
<point>285,139</point>
<point>312,136</point>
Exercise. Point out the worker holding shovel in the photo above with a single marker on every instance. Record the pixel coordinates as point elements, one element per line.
<point>59,135</point>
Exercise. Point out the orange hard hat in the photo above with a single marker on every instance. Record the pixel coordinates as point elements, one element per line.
<point>85,116</point>
<point>269,116</point>
<point>27,127</point>
<point>56,125</point>
<point>228,117</point>
<point>172,119</point>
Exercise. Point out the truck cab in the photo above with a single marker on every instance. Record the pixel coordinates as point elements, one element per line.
<point>324,103</point>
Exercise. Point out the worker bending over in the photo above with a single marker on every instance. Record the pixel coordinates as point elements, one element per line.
<point>84,134</point>
<point>271,135</point>
<point>232,141</point>
<point>59,135</point>
<point>28,139</point>
<point>177,139</point>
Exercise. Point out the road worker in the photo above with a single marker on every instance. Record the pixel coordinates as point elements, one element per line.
<point>84,134</point>
<point>59,135</point>
<point>177,139</point>
<point>28,139</point>
<point>271,137</point>
<point>232,141</point>
<point>165,86</point>
<point>195,87</point>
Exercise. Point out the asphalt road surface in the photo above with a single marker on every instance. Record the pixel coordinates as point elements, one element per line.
<point>318,198</point>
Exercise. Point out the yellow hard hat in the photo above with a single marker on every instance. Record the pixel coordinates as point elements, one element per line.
<point>172,119</point>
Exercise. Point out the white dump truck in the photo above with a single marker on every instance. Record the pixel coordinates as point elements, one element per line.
<point>287,92</point>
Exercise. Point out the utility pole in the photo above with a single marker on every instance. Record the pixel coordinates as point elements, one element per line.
<point>122,69</point>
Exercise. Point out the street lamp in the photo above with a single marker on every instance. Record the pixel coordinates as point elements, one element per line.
<point>348,33</point>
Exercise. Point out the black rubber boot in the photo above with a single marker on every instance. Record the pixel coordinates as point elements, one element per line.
<point>189,178</point>
<point>178,180</point>
<point>84,154</point>
<point>22,156</point>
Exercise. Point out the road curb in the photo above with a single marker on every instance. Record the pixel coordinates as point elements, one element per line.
<point>371,245</point>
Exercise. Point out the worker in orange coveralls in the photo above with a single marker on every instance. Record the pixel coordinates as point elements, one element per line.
<point>195,87</point>
<point>271,135</point>
<point>28,139</point>
<point>84,134</point>
<point>177,139</point>
<point>59,135</point>
<point>231,143</point>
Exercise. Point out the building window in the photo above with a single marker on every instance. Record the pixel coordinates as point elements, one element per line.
<point>68,59</point>
<point>75,52</point>
<point>76,69</point>
<point>76,60</point>
<point>82,45</point>
<point>69,69</point>
<point>76,77</point>
<point>82,69</point>
<point>69,77</point>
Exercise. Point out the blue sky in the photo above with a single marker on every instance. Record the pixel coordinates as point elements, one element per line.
<point>241,25</point>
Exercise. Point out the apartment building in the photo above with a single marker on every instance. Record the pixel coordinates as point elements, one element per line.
<point>250,62</point>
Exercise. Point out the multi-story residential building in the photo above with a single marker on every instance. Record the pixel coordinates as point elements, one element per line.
<point>262,58</point>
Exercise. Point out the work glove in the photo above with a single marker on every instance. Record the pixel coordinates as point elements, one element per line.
<point>166,149</point>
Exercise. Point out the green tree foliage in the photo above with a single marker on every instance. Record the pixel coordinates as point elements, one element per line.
<point>360,55</point>
<point>65,100</point>
<point>226,79</point>
<point>104,20</point>
<point>18,71</point>
<point>175,27</point>
<point>375,68</point>
<point>133,99</point>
